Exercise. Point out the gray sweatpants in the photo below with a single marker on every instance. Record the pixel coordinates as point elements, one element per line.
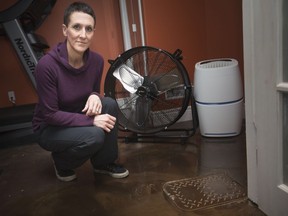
<point>73,146</point>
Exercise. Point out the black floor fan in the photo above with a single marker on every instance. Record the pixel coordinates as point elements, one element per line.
<point>153,90</point>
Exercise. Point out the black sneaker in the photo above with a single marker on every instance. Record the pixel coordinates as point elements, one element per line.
<point>114,170</point>
<point>65,175</point>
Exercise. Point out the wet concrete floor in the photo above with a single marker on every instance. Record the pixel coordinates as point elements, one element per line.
<point>29,187</point>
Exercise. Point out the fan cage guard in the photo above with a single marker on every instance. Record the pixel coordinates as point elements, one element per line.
<point>161,99</point>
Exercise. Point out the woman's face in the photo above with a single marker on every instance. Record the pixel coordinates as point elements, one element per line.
<point>79,32</point>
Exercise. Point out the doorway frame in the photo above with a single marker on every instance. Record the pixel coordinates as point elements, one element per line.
<point>263,69</point>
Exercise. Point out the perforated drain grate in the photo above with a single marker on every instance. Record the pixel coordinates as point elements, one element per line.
<point>203,192</point>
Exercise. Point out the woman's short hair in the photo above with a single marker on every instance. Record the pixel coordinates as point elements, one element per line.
<point>78,7</point>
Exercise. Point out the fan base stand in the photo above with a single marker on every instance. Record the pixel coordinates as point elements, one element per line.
<point>179,130</point>
<point>178,133</point>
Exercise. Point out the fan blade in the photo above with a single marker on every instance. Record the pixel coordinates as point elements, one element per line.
<point>129,78</point>
<point>167,81</point>
<point>142,111</point>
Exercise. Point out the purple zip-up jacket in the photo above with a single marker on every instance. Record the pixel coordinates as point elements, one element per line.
<point>63,90</point>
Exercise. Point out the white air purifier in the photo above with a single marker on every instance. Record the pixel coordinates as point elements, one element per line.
<point>218,94</point>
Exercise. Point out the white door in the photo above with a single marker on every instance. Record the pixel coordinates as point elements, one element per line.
<point>266,103</point>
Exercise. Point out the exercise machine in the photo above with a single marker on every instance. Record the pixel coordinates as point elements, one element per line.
<point>18,23</point>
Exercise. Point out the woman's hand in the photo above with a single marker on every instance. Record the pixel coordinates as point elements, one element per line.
<point>105,121</point>
<point>93,105</point>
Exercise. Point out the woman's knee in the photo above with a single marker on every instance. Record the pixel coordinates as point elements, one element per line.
<point>94,135</point>
<point>110,106</point>
<point>92,140</point>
